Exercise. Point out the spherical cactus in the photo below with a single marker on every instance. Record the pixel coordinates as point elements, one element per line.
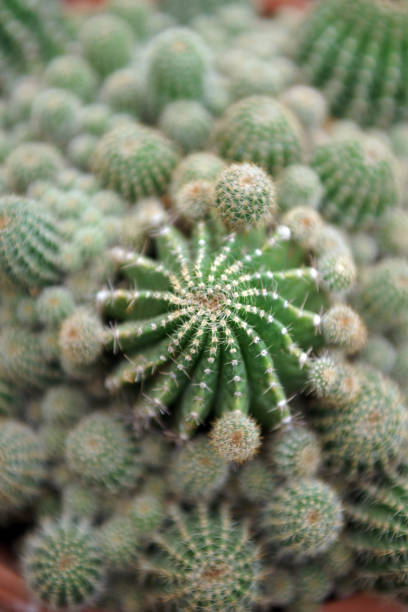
<point>194,200</point>
<point>7,398</point>
<point>81,337</point>
<point>338,560</point>
<point>29,243</point>
<point>343,327</point>
<point>313,582</point>
<point>80,502</point>
<point>74,74</point>
<point>254,77</point>
<point>379,353</point>
<point>137,13</point>
<point>308,104</point>
<point>136,161</point>
<point>123,91</point>
<point>23,466</point>
<point>146,511</point>
<point>209,319</point>
<point>364,247</point>
<point>260,130</point>
<point>334,381</point>
<point>305,225</point>
<point>358,178</point>
<point>176,67</point>
<point>367,430</point>
<point>96,118</point>
<point>119,544</point>
<point>299,186</point>
<point>53,437</point>
<point>382,295</point>
<point>235,437</point>
<point>245,196</point>
<point>62,565</point>
<point>187,123</point>
<point>55,115</point>
<point>185,10</point>
<point>342,52</point>
<point>304,518</point>
<point>54,304</point>
<point>208,563</point>
<point>256,481</point>
<point>392,232</point>
<point>108,202</point>
<point>196,167</point>
<point>294,453</point>
<point>80,150</point>
<point>337,271</point>
<point>22,362</point>
<point>106,42</point>
<point>196,472</point>
<point>102,453</point>
<point>30,162</point>
<point>63,404</point>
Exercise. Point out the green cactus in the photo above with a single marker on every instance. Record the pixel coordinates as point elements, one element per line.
<point>123,91</point>
<point>23,466</point>
<point>308,104</point>
<point>176,68</point>
<point>200,317</point>
<point>299,186</point>
<point>313,582</point>
<point>102,453</point>
<point>106,42</point>
<point>392,232</point>
<point>342,326</point>
<point>62,565</point>
<point>303,519</point>
<point>338,560</point>
<point>81,149</point>
<point>196,472</point>
<point>294,453</point>
<point>30,243</point>
<point>7,398</point>
<point>137,13</point>
<point>54,304</point>
<point>196,167</point>
<point>256,481</point>
<point>194,200</point>
<point>63,404</point>
<point>134,160</point>
<point>278,587</point>
<point>245,196</point>
<point>31,161</point>
<point>55,115</point>
<point>208,563</point>
<point>380,353</point>
<point>187,123</point>
<point>359,180</point>
<point>80,339</point>
<point>305,225</point>
<point>73,73</point>
<point>119,543</point>
<point>260,130</point>
<point>185,10</point>
<point>80,502</point>
<point>354,51</point>
<point>146,511</point>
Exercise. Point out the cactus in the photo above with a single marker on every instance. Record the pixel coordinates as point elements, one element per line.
<point>196,167</point>
<point>184,11</point>
<point>30,162</point>
<point>146,513</point>
<point>294,453</point>
<point>377,515</point>
<point>23,469</point>
<point>176,68</point>
<point>54,304</point>
<point>134,160</point>
<point>305,225</point>
<point>278,587</point>
<point>62,565</point>
<point>74,74</point>
<point>260,130</point>
<point>256,482</point>
<point>106,42</point>
<point>80,339</point>
<point>208,563</point>
<point>63,404</point>
<point>308,104</point>
<point>118,542</point>
<point>123,91</point>
<point>187,123</point>
<point>55,115</point>
<point>379,353</point>
<point>194,200</point>
<point>313,582</point>
<point>79,502</point>
<point>358,178</point>
<point>31,33</point>
<point>366,426</point>
<point>303,518</point>
<point>96,119</point>
<point>392,232</point>
<point>137,13</point>
<point>354,52</point>
<point>80,150</point>
<point>235,436</point>
<point>244,196</point>
<point>343,327</point>
<point>102,453</point>
<point>299,186</point>
<point>196,472</point>
<point>338,560</point>
<point>206,311</point>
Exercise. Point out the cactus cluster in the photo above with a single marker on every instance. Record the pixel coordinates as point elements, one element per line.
<point>203,305</point>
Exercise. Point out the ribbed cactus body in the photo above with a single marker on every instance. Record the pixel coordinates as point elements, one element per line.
<point>358,178</point>
<point>354,51</point>
<point>217,330</point>
<point>134,160</point>
<point>29,162</point>
<point>62,565</point>
<point>22,466</point>
<point>208,563</point>
<point>29,243</point>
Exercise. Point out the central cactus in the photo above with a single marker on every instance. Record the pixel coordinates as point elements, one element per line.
<point>212,327</point>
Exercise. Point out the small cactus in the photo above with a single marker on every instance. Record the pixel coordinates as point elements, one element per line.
<point>294,453</point>
<point>80,339</point>
<point>74,74</point>
<point>55,115</point>
<point>31,161</point>
<point>118,542</point>
<point>187,123</point>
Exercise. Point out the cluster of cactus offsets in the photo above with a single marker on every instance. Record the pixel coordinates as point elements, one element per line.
<point>204,304</point>
<point>354,51</point>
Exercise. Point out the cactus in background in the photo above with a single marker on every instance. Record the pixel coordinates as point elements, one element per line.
<point>31,33</point>
<point>392,232</point>
<point>354,51</point>
<point>55,115</point>
<point>102,453</point>
<point>134,160</point>
<point>359,180</point>
<point>22,466</point>
<point>208,563</point>
<point>244,197</point>
<point>118,542</point>
<point>123,91</point>
<point>313,582</point>
<point>74,74</point>
<point>30,243</point>
<point>299,186</point>
<point>63,404</point>
<point>196,167</point>
<point>54,304</point>
<point>377,518</point>
<point>187,123</point>
<point>176,69</point>
<point>80,339</point>
<point>185,10</point>
<point>106,42</point>
<point>308,104</point>
<point>256,481</point>
<point>343,327</point>
<point>303,519</point>
<point>31,162</point>
<point>146,511</point>
<point>260,130</point>
<point>201,316</point>
<point>62,565</point>
<point>379,353</point>
<point>294,453</point>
